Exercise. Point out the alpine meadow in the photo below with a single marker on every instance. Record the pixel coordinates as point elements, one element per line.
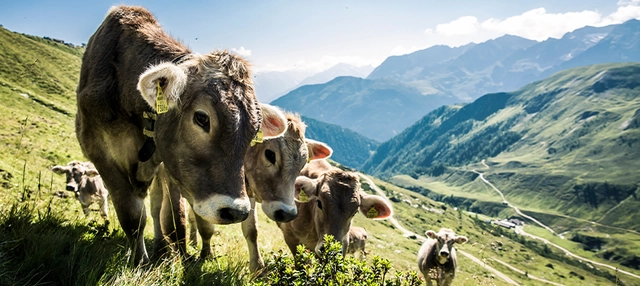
<point>534,160</point>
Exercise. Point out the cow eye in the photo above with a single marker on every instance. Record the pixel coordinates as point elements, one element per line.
<point>271,156</point>
<point>202,119</point>
<point>319,204</point>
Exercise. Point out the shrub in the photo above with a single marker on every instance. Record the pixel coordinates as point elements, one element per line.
<point>331,268</point>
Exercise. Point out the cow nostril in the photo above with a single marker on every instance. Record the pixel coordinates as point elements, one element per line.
<point>283,216</point>
<point>279,215</point>
<point>230,215</point>
<point>71,189</point>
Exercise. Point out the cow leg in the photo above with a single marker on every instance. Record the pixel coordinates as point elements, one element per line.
<point>174,218</point>
<point>104,207</point>
<point>85,210</point>
<point>292,241</point>
<point>132,217</point>
<point>193,225</point>
<point>206,230</point>
<point>156,193</point>
<point>250,231</point>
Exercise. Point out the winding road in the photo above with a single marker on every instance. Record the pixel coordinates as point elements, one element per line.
<point>421,238</point>
<point>520,230</point>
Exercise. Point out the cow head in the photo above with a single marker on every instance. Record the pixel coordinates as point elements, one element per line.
<point>76,173</point>
<point>207,116</point>
<point>445,240</point>
<point>271,168</point>
<point>337,197</point>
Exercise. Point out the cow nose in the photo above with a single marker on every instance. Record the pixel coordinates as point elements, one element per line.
<point>444,253</point>
<point>284,216</point>
<point>71,188</point>
<point>231,215</point>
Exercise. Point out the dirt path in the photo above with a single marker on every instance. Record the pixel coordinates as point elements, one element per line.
<point>421,238</point>
<point>512,206</point>
<point>525,273</point>
<point>567,252</point>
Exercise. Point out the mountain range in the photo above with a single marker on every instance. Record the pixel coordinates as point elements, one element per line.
<point>568,144</point>
<point>273,84</point>
<point>442,75</point>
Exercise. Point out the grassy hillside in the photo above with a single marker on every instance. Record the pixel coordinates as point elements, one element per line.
<point>45,238</point>
<point>567,144</point>
<point>349,148</point>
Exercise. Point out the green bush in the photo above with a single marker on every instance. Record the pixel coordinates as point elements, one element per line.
<point>331,268</point>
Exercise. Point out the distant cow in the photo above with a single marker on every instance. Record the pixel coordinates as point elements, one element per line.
<point>437,257</point>
<point>357,241</point>
<point>85,182</point>
<point>144,99</point>
<point>326,205</point>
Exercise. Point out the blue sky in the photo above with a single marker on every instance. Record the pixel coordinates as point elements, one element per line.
<point>280,35</point>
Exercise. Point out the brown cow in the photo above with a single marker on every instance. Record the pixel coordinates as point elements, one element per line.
<point>145,99</point>
<point>437,257</point>
<point>326,205</point>
<point>357,241</point>
<point>85,182</point>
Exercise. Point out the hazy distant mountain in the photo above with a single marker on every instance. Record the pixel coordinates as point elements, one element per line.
<point>271,85</point>
<point>341,69</point>
<point>416,83</point>
<point>621,44</point>
<point>569,143</point>
<point>377,109</point>
<point>349,148</point>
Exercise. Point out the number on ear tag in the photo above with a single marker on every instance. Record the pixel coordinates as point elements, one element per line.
<point>372,213</point>
<point>259,138</point>
<point>161,101</point>
<point>302,196</point>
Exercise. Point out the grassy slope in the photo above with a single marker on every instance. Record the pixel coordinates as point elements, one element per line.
<point>46,239</point>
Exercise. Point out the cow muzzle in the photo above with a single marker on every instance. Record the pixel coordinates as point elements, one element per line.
<point>71,187</point>
<point>279,211</point>
<point>221,209</point>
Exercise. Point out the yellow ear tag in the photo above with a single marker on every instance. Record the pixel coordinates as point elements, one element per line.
<point>302,196</point>
<point>372,213</point>
<point>258,138</point>
<point>161,101</point>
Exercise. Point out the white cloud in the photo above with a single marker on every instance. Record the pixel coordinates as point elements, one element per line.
<point>428,32</point>
<point>242,52</point>
<point>464,25</point>
<point>536,24</point>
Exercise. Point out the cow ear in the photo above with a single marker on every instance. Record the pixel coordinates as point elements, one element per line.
<point>430,234</point>
<point>91,173</point>
<point>161,86</point>
<point>375,207</point>
<point>59,169</point>
<point>461,239</point>
<point>274,123</point>
<point>317,149</point>
<point>305,189</point>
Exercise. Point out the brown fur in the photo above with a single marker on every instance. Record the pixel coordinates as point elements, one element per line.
<point>203,165</point>
<point>357,241</point>
<point>334,198</point>
<point>437,256</point>
<point>87,185</point>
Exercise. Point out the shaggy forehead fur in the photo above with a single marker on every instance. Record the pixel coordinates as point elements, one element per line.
<point>296,127</point>
<point>343,191</point>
